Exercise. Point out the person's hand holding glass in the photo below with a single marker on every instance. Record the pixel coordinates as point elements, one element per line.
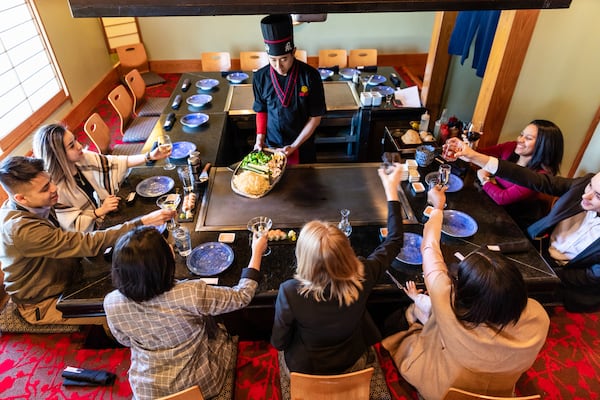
<point>260,226</point>
<point>169,202</point>
<point>166,146</point>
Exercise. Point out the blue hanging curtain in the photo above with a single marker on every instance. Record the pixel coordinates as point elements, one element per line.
<point>478,25</point>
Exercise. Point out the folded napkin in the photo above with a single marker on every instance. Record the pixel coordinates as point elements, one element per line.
<point>516,246</point>
<point>87,377</point>
<point>367,68</point>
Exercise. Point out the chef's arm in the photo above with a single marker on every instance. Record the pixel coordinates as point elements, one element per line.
<point>307,131</point>
<point>261,130</point>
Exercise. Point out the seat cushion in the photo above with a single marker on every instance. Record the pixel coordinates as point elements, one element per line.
<point>127,149</point>
<point>152,79</point>
<point>140,129</point>
<point>11,321</point>
<point>153,106</point>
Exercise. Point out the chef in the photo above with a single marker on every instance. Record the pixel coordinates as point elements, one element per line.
<point>288,95</point>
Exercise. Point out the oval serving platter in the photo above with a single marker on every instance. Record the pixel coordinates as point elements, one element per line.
<point>155,186</point>
<point>210,259</point>
<point>458,224</point>
<point>272,181</point>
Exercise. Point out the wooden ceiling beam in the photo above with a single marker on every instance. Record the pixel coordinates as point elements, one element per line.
<point>154,8</point>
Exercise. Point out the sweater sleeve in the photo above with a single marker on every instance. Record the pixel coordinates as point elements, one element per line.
<point>507,192</point>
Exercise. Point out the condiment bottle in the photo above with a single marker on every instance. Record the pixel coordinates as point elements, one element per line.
<point>438,125</point>
<point>424,125</point>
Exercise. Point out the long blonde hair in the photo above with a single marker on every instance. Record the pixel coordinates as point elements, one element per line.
<point>326,259</point>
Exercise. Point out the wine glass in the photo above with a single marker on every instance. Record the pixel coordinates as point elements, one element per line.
<point>165,145</point>
<point>444,172</point>
<point>259,226</point>
<point>169,202</point>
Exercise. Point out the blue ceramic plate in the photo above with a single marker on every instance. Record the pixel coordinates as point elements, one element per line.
<point>237,77</point>
<point>411,252</point>
<point>210,259</point>
<point>374,79</point>
<point>325,73</point>
<point>194,120</point>
<point>454,185</point>
<point>458,224</point>
<point>384,90</point>
<point>182,149</point>
<point>347,73</point>
<point>155,186</point>
<point>207,84</point>
<point>199,100</point>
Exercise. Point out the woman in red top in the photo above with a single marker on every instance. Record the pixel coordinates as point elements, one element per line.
<point>539,147</point>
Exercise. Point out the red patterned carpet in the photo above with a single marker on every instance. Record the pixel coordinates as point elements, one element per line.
<point>568,366</point>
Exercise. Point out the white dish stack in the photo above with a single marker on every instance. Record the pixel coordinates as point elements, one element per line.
<point>413,172</point>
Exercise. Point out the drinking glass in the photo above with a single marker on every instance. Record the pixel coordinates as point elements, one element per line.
<point>169,202</point>
<point>344,224</point>
<point>444,171</point>
<point>165,145</point>
<point>259,226</point>
<point>449,152</point>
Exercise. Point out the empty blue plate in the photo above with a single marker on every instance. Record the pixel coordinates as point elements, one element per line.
<point>373,79</point>
<point>325,73</point>
<point>347,73</point>
<point>155,186</point>
<point>194,120</point>
<point>411,252</point>
<point>210,259</point>
<point>458,224</point>
<point>199,100</point>
<point>207,84</point>
<point>384,90</point>
<point>182,149</point>
<point>237,77</point>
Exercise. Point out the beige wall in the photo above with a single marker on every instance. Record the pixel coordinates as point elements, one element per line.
<point>560,80</point>
<point>388,32</point>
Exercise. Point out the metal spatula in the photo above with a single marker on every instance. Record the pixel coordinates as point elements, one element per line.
<point>204,174</point>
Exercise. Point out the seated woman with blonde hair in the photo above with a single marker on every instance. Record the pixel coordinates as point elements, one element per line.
<point>87,181</point>
<point>321,324</point>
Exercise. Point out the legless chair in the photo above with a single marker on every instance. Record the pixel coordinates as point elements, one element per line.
<point>458,394</point>
<point>253,60</point>
<point>301,55</point>
<point>134,56</point>
<point>362,57</point>
<point>216,61</point>
<point>99,134</point>
<point>143,106</point>
<point>350,386</point>
<point>192,393</point>
<point>133,129</point>
<point>333,57</point>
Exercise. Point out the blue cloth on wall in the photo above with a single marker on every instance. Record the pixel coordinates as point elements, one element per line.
<point>478,25</point>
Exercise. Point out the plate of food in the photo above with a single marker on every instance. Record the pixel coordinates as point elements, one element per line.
<point>258,173</point>
<point>210,259</point>
<point>458,224</point>
<point>411,252</point>
<point>155,186</point>
<point>325,73</point>
<point>182,149</point>
<point>237,77</point>
<point>199,100</point>
<point>194,120</point>
<point>207,84</point>
<point>348,73</point>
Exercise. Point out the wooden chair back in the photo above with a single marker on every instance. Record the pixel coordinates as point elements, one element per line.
<point>216,61</point>
<point>98,132</point>
<point>133,56</point>
<point>362,57</point>
<point>253,60</point>
<point>301,55</point>
<point>333,57</point>
<point>459,394</point>
<point>137,87</point>
<point>350,386</point>
<point>191,393</point>
<point>123,104</point>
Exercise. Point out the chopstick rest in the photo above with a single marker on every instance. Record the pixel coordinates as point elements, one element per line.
<point>87,377</point>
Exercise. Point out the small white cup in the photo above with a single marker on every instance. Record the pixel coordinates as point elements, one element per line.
<point>366,99</point>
